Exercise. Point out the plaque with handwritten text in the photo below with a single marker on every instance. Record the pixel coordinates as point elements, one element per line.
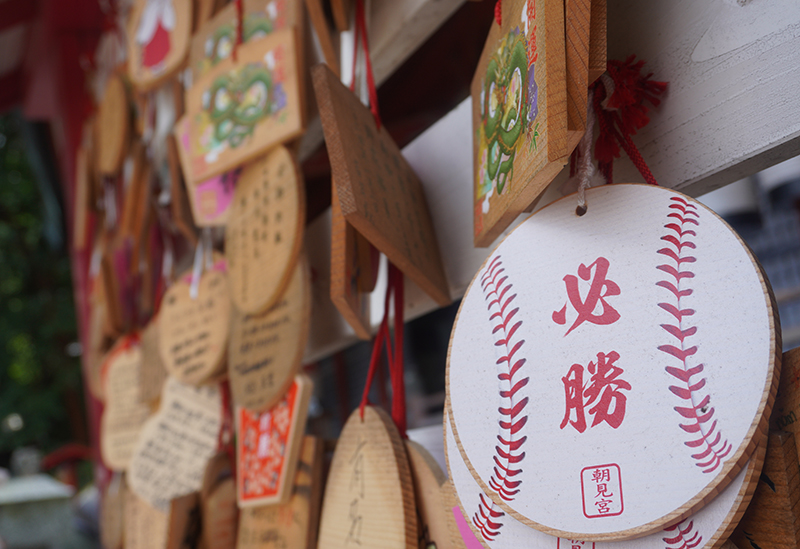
<point>176,443</point>
<point>193,330</point>
<point>265,351</point>
<point>369,496</point>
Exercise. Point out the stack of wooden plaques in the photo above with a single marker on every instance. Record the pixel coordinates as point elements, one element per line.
<point>193,205</point>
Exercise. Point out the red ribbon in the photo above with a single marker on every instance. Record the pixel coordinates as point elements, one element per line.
<point>360,33</point>
<point>394,288</point>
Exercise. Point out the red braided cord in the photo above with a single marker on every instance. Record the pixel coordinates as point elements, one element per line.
<point>498,12</point>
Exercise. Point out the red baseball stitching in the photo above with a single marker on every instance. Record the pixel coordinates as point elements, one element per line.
<point>696,412</point>
<point>508,454</point>
<point>684,538</point>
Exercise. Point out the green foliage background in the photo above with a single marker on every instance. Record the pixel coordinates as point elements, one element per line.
<point>37,315</point>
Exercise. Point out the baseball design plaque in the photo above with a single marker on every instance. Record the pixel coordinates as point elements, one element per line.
<point>610,373</point>
<point>707,528</point>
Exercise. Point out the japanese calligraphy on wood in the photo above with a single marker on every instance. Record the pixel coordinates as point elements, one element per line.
<point>484,521</point>
<point>649,312</point>
<point>176,443</point>
<point>240,110</point>
<point>787,404</point>
<point>268,445</point>
<point>519,113</point>
<point>124,414</point>
<point>215,40</point>
<point>369,496</point>
<point>113,127</point>
<point>348,263</point>
<point>265,230</point>
<point>265,351</point>
<point>378,191</point>
<point>295,523</point>
<point>772,519</point>
<point>158,40</point>
<point>193,332</point>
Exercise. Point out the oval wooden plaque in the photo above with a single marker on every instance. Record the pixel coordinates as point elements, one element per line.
<point>265,230</point>
<point>369,496</point>
<point>193,333</point>
<point>628,352</point>
<point>113,126</point>
<point>432,512</point>
<point>124,414</point>
<point>706,529</point>
<point>265,352</point>
<point>158,40</point>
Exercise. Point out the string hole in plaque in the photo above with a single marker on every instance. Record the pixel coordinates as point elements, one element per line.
<point>581,210</point>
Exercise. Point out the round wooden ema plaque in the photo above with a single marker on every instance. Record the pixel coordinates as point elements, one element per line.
<point>265,352</point>
<point>124,415</point>
<point>432,512</point>
<point>193,332</point>
<point>609,373</point>
<point>483,523</point>
<point>369,495</point>
<point>113,125</point>
<point>158,40</point>
<point>265,230</point>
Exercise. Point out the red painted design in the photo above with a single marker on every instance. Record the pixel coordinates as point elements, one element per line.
<point>498,292</point>
<point>601,491</point>
<point>697,414</point>
<point>682,536</point>
<point>574,544</point>
<point>604,391</point>
<point>155,51</point>
<point>600,288</point>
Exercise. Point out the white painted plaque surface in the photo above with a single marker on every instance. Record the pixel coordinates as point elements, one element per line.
<point>502,531</point>
<point>608,373</point>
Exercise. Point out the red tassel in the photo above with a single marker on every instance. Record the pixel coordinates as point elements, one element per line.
<point>624,113</point>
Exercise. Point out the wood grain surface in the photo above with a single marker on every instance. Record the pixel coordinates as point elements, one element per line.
<point>434,518</point>
<point>265,352</point>
<point>772,519</point>
<point>152,373</point>
<point>295,523</point>
<point>113,127</point>
<point>598,40</point>
<point>346,271</point>
<point>577,14</point>
<point>193,332</point>
<point>124,415</point>
<point>265,230</point>
<point>369,495</point>
<point>519,113</point>
<point>379,193</point>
